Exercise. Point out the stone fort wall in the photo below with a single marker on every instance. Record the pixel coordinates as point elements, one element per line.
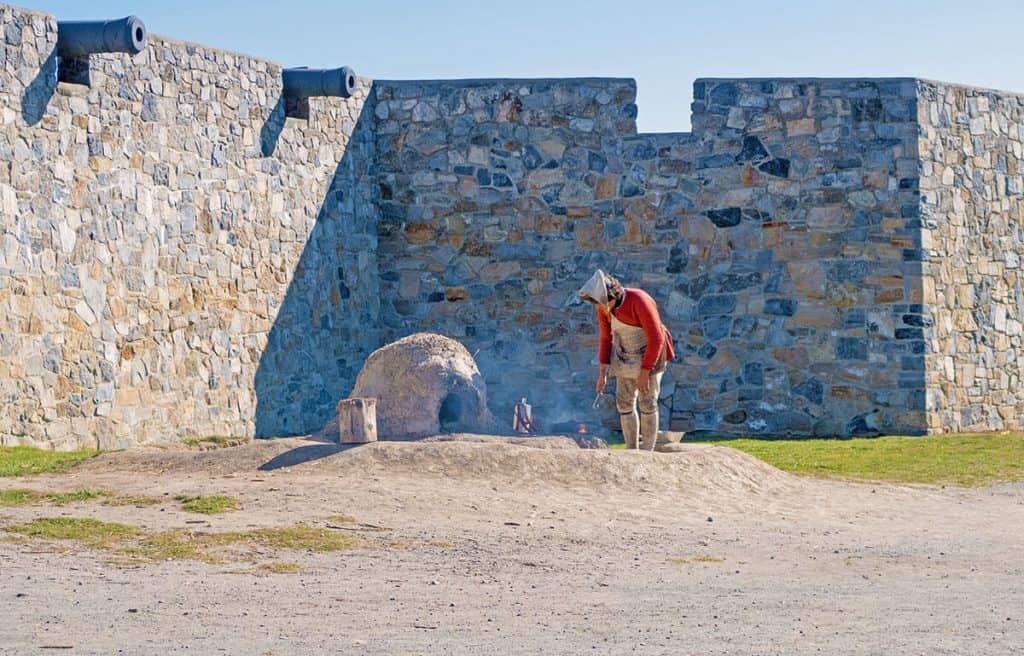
<point>781,237</point>
<point>972,185</point>
<point>176,258</point>
<point>179,258</point>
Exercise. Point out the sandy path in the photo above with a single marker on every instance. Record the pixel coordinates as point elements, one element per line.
<point>517,550</point>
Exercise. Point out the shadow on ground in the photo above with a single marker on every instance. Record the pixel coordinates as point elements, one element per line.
<point>306,453</point>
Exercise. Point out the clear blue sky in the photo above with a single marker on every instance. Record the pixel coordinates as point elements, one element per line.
<point>663,44</point>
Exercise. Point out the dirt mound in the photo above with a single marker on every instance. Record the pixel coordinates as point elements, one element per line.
<point>553,461</point>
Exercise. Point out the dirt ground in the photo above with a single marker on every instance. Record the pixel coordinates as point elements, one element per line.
<point>501,547</point>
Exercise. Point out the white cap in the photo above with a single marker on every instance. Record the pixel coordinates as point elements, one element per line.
<point>596,288</point>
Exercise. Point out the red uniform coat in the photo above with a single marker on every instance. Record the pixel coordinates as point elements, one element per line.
<point>636,309</point>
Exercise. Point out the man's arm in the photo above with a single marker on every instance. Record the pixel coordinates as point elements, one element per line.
<point>646,312</point>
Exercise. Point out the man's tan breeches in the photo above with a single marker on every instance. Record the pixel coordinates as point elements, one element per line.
<point>646,425</point>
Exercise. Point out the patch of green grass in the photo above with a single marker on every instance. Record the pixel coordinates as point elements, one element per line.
<point>297,536</point>
<point>132,545</point>
<point>17,497</point>
<point>280,568</point>
<point>709,559</point>
<point>169,545</point>
<point>21,497</point>
<point>341,519</point>
<point>207,505</point>
<point>217,440</point>
<point>26,461</point>
<point>131,501</point>
<point>964,459</point>
<point>90,532</point>
<point>81,494</point>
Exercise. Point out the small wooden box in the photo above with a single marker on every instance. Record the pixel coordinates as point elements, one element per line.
<point>357,421</point>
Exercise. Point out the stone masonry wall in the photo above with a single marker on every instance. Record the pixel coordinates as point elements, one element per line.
<point>497,199</point>
<point>781,239</point>
<point>176,258</point>
<point>972,184</point>
<point>800,302</point>
<point>833,256</point>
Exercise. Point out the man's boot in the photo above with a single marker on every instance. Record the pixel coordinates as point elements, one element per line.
<point>648,430</point>
<point>630,428</point>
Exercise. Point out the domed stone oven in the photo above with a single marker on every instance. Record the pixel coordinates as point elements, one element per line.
<point>424,384</point>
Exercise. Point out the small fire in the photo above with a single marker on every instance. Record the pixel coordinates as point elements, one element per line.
<point>581,428</point>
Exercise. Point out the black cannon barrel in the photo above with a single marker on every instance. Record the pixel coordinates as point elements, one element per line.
<point>83,38</point>
<point>309,82</point>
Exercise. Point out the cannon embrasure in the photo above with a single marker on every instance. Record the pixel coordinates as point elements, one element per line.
<point>298,85</point>
<point>76,40</point>
<point>83,38</point>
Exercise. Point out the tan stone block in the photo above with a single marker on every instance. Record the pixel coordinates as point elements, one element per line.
<point>590,235</point>
<point>500,271</point>
<point>876,179</point>
<point>965,296</point>
<point>801,127</point>
<point>833,216</point>
<point>891,295</point>
<point>420,233</point>
<point>724,361</point>
<point>847,392</point>
<point>793,357</point>
<point>698,229</point>
<point>928,291</point>
<point>456,294</point>
<point>577,212</point>
<point>963,320</point>
<point>809,278</point>
<point>606,187</point>
<point>814,316</point>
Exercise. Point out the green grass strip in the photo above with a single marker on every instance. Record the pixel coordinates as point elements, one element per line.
<point>26,461</point>
<point>90,532</point>
<point>963,459</point>
<point>207,505</point>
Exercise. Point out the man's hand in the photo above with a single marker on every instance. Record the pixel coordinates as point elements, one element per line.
<point>643,381</point>
<point>602,379</point>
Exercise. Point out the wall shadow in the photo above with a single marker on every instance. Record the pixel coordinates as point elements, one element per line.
<point>327,322</point>
<point>307,453</point>
<point>271,130</point>
<point>39,91</point>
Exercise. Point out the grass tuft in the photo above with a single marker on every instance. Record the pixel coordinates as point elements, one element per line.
<point>219,441</point>
<point>132,545</point>
<point>81,494</point>
<point>207,505</point>
<point>280,568</point>
<point>90,532</point>
<point>170,545</point>
<point>17,497</point>
<point>964,459</point>
<point>27,461</point>
<point>297,537</point>
<point>708,559</point>
<point>131,501</point>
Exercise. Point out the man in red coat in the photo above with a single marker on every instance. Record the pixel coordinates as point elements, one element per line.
<point>634,348</point>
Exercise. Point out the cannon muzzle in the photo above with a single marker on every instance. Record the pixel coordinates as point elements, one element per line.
<point>309,82</point>
<point>83,38</point>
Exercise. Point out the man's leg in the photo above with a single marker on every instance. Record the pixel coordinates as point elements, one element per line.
<point>649,413</point>
<point>625,403</point>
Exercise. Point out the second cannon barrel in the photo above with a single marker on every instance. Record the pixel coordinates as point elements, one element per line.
<point>312,82</point>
